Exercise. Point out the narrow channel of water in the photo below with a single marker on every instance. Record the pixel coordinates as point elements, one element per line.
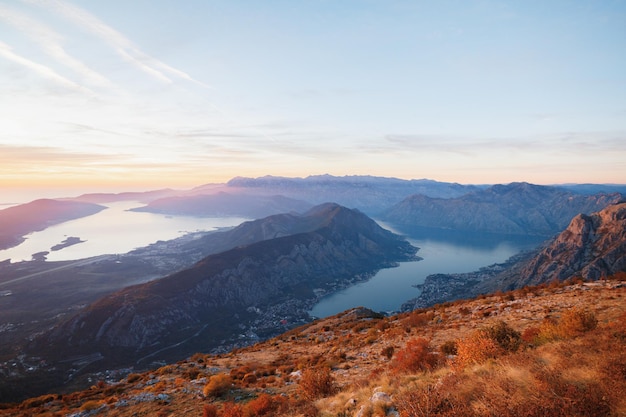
<point>441,253</point>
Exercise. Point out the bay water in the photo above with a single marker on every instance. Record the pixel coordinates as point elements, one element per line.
<point>117,230</point>
<point>114,230</point>
<point>442,252</point>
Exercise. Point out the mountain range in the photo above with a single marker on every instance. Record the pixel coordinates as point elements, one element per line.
<point>592,247</point>
<point>257,289</point>
<point>516,209</point>
<point>228,289</point>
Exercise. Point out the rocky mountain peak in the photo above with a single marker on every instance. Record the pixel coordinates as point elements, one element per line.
<point>592,246</point>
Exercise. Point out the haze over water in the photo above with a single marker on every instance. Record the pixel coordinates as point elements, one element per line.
<point>112,231</point>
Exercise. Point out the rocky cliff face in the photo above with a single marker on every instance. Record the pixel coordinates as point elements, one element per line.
<point>591,247</point>
<point>517,208</point>
<point>228,294</point>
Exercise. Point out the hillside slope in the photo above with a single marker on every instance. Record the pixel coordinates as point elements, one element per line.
<point>540,351</point>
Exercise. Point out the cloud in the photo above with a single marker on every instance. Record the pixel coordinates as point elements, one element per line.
<point>117,41</point>
<point>50,42</point>
<point>567,142</point>
<point>46,72</point>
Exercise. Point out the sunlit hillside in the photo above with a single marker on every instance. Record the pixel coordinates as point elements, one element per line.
<point>550,350</point>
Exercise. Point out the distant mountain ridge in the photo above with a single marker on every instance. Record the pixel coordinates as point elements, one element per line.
<point>223,204</point>
<point>225,294</point>
<point>516,208</point>
<point>367,193</point>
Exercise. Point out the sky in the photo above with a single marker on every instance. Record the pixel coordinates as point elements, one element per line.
<point>144,94</point>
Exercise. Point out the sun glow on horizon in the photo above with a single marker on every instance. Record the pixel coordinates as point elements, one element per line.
<point>180,96</point>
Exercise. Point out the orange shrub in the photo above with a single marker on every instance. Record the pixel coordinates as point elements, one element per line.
<point>530,334</point>
<point>419,319</point>
<point>232,410</point>
<point>571,324</point>
<point>576,321</point>
<point>416,356</point>
<point>317,383</point>
<point>476,348</point>
<point>209,411</point>
<point>260,406</point>
<point>504,336</point>
<point>218,384</point>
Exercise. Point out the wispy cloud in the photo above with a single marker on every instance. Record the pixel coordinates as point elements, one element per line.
<point>562,143</point>
<point>117,41</point>
<point>50,42</point>
<point>44,71</point>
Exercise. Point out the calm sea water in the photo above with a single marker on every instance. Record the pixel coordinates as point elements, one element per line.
<point>441,253</point>
<point>111,231</point>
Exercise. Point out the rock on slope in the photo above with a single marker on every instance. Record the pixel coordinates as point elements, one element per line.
<point>517,208</point>
<point>224,294</point>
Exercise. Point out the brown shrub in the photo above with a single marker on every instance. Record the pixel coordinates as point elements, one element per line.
<point>572,323</point>
<point>91,405</point>
<point>416,356</point>
<point>232,410</point>
<point>317,383</point>
<point>429,401</point>
<point>506,337</point>
<point>576,321</point>
<point>264,405</point>
<point>419,319</point>
<point>209,410</point>
<point>530,334</point>
<point>387,352</point>
<point>475,349</point>
<point>448,347</point>
<point>218,385</point>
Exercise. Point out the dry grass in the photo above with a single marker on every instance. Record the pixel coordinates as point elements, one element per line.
<point>542,351</point>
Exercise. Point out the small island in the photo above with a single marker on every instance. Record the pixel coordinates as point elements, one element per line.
<point>67,242</point>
